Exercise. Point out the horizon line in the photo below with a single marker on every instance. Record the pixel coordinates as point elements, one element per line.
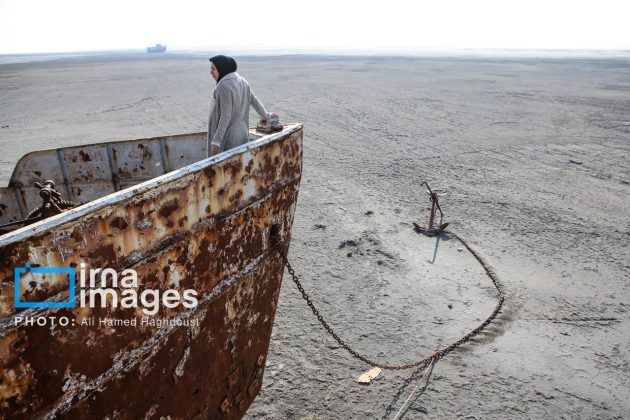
<point>369,51</point>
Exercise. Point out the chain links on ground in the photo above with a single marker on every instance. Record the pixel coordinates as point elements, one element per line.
<point>427,360</point>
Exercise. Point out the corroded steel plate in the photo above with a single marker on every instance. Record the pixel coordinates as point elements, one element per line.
<point>205,227</point>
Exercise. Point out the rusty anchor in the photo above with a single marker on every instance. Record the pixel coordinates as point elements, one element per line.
<point>430,230</point>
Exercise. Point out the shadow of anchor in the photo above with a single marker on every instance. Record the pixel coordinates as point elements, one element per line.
<point>431,230</point>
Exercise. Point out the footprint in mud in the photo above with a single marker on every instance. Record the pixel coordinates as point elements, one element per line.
<point>369,246</point>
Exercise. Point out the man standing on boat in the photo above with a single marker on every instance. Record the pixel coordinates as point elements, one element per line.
<point>228,124</point>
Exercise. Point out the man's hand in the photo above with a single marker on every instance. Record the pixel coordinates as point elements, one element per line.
<point>214,150</point>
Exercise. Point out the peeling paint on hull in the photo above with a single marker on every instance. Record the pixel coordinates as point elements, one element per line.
<point>205,227</point>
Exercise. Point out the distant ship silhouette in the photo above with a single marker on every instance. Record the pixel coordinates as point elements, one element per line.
<point>159,48</point>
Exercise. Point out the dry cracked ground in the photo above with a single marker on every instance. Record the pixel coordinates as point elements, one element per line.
<point>532,161</point>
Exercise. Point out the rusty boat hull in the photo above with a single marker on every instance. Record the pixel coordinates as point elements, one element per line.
<point>181,224</point>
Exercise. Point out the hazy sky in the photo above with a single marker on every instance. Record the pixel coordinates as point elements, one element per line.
<point>82,25</point>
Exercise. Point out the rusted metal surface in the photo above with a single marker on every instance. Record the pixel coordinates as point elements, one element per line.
<point>85,173</point>
<point>204,227</point>
<point>52,204</point>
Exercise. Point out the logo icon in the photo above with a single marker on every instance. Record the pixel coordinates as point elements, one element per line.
<point>17,275</point>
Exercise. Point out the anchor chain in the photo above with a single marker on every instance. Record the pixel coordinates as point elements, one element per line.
<point>427,360</point>
<point>52,204</point>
